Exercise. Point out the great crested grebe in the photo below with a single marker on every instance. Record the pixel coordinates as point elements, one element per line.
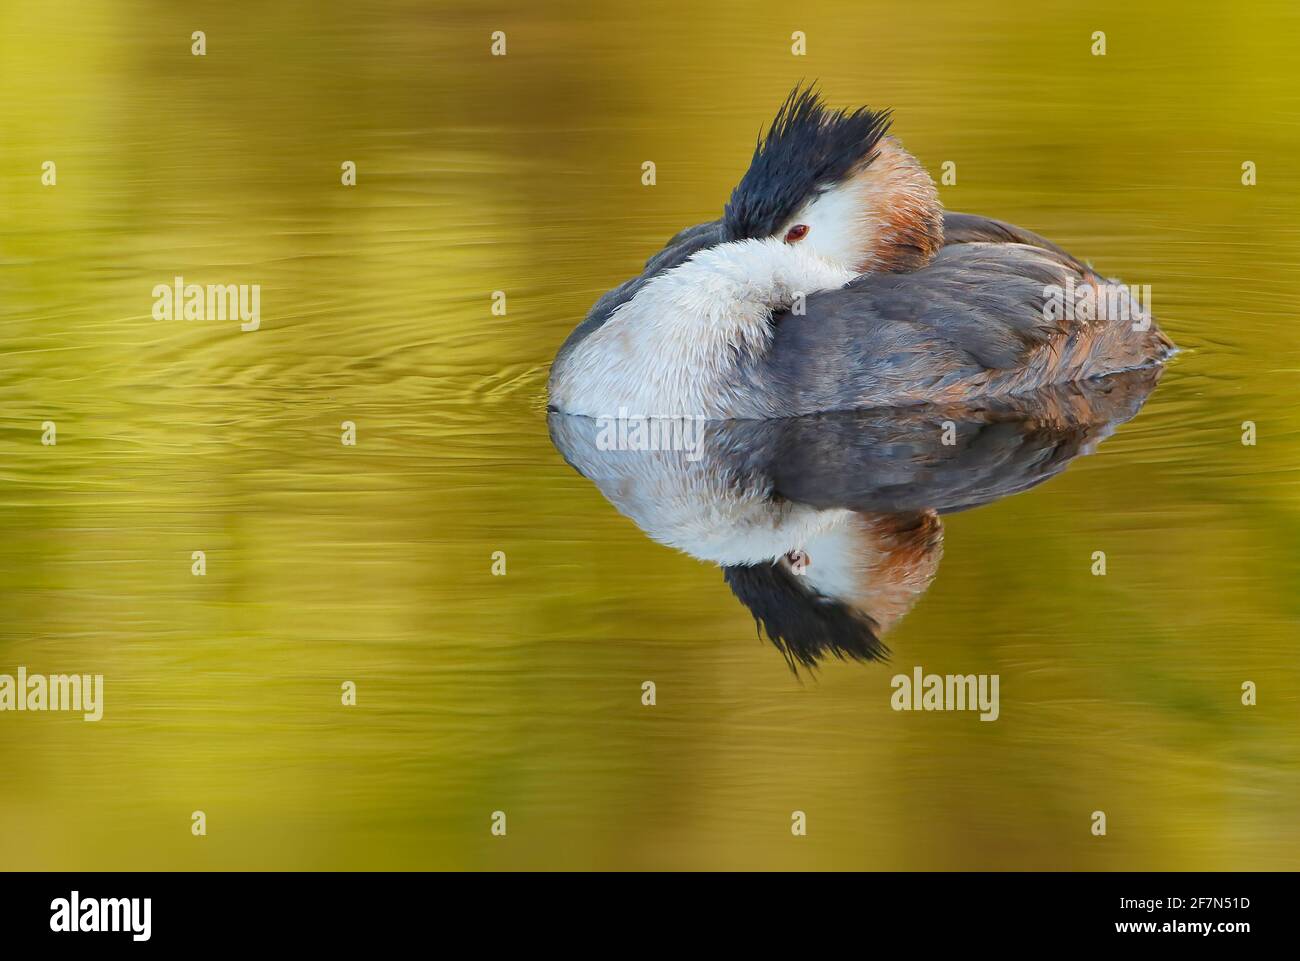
<point>833,281</point>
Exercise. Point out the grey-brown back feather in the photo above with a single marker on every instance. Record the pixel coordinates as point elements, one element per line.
<point>972,322</point>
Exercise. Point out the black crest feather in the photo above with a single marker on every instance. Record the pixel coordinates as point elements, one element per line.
<point>808,148</point>
<point>805,626</point>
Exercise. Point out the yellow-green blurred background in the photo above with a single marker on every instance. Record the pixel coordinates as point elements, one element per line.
<point>522,693</point>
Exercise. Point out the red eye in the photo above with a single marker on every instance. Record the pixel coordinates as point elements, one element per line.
<point>796,233</point>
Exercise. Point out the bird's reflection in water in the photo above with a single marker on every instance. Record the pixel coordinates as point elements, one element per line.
<point>828,527</point>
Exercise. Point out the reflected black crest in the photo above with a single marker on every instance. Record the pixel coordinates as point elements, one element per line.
<point>805,626</point>
<point>807,149</point>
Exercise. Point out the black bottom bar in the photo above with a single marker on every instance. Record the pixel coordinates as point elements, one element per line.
<point>337,910</point>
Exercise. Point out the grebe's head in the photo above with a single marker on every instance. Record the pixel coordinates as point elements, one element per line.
<point>833,182</point>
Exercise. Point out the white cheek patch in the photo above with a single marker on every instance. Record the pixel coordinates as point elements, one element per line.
<point>834,222</point>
